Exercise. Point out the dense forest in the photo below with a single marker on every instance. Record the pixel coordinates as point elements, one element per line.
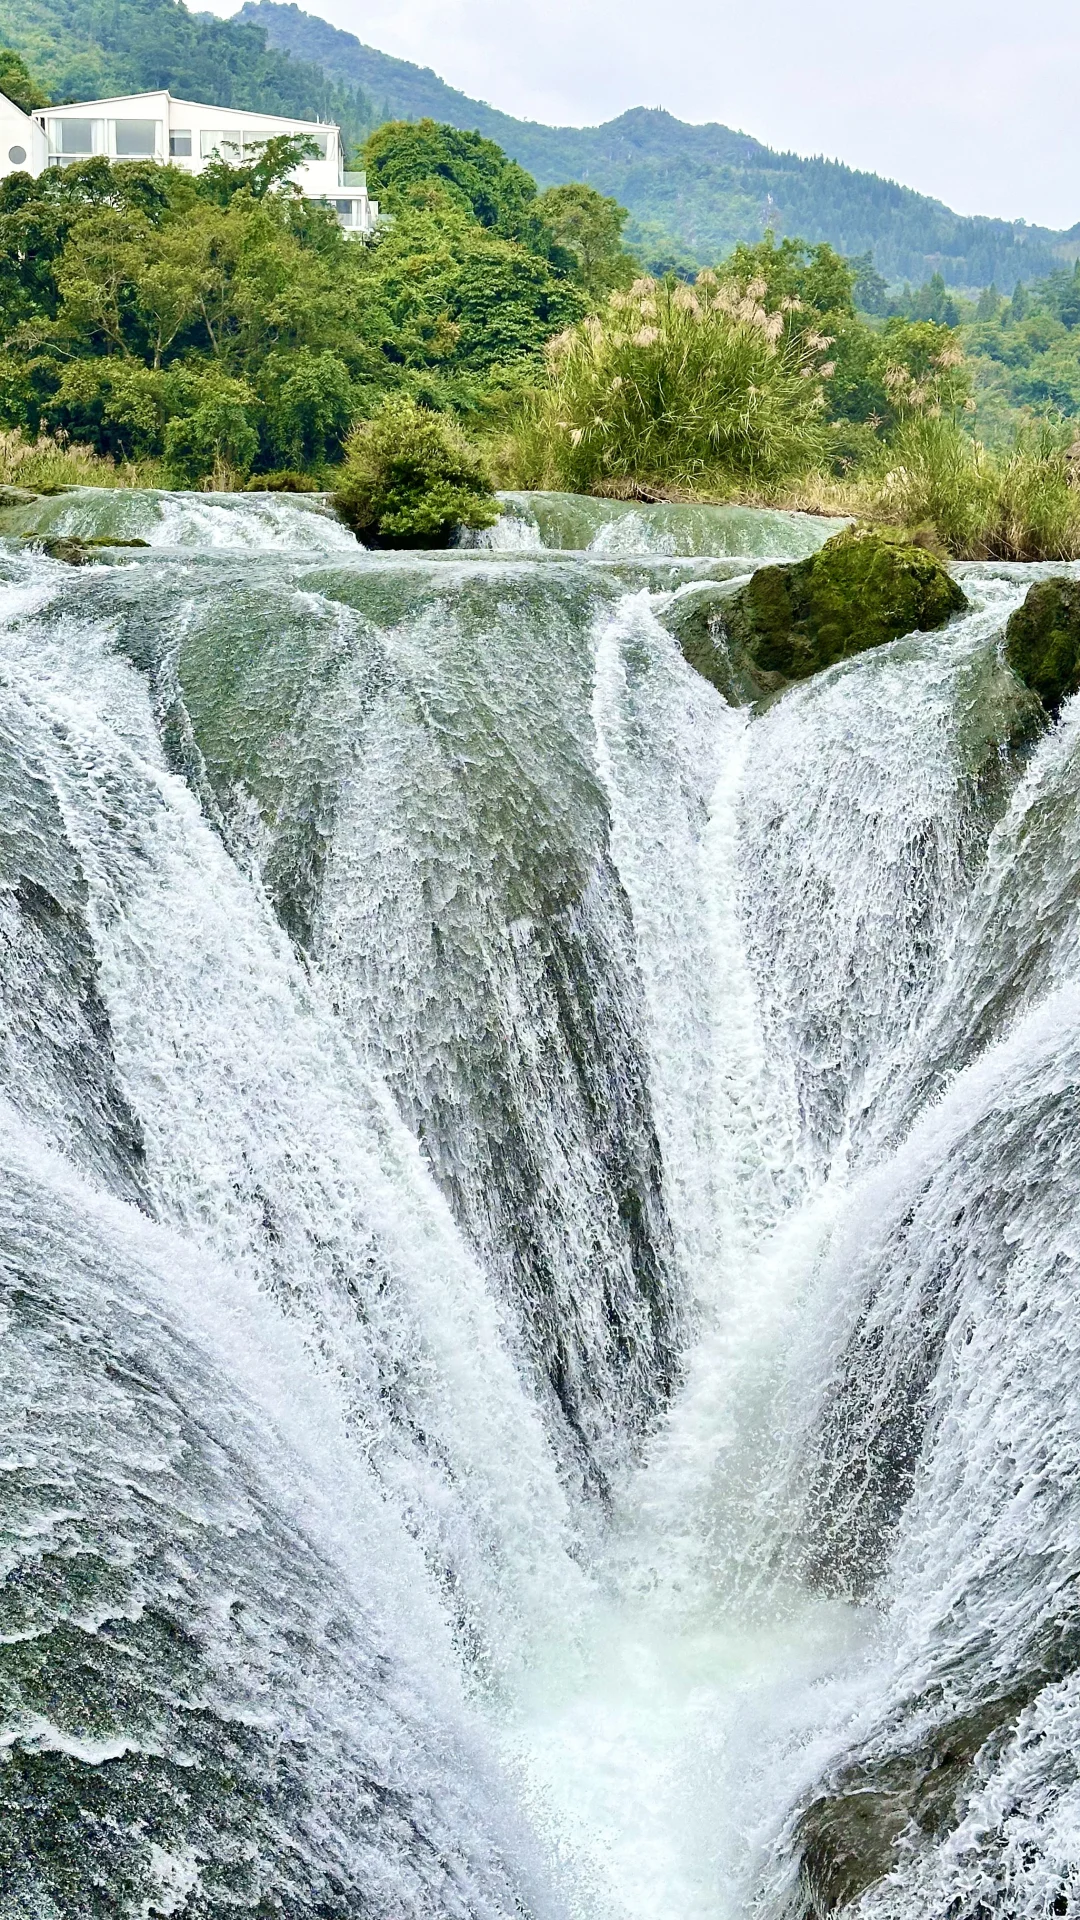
<point>225,323</point>
<point>704,186</point>
<point>221,330</point>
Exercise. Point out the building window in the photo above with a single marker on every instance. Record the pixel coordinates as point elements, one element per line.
<point>180,145</point>
<point>136,139</point>
<point>17,155</point>
<point>219,140</point>
<point>346,211</point>
<point>75,137</point>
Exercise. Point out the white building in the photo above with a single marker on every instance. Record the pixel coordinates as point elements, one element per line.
<point>23,146</point>
<point>154,126</point>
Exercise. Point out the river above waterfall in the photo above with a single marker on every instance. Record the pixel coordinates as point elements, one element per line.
<point>538,1235</point>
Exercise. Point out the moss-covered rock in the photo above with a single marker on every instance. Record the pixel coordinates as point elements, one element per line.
<point>696,618</point>
<point>864,587</point>
<point>77,550</point>
<point>68,548</point>
<point>1042,641</point>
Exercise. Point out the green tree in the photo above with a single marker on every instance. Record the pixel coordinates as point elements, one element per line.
<point>122,294</point>
<point>443,301</point>
<point>404,157</point>
<point>308,405</point>
<point>989,304</point>
<point>589,227</point>
<point>217,438</point>
<point>1061,294</point>
<point>869,289</point>
<point>817,278</point>
<point>17,82</point>
<point>268,171</point>
<point>658,254</point>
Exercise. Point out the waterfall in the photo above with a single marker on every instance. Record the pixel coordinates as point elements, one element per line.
<point>537,1236</point>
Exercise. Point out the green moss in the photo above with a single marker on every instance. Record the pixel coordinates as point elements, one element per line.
<point>78,550</point>
<point>1042,641</point>
<point>865,587</point>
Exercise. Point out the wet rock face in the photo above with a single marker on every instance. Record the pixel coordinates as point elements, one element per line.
<point>879,1811</point>
<point>79,550</point>
<point>865,587</point>
<point>1042,641</point>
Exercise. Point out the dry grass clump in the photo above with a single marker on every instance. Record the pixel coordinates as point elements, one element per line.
<point>48,462</point>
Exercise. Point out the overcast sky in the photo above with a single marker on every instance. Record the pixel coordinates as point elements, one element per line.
<point>974,101</point>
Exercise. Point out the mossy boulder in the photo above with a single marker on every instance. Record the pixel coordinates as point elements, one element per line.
<point>68,548</point>
<point>864,587</point>
<point>1042,641</point>
<point>77,550</point>
<point>696,618</point>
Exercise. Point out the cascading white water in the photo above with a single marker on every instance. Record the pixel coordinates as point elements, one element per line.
<point>537,1228</point>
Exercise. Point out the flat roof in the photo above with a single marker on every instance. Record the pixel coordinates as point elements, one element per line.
<point>203,106</point>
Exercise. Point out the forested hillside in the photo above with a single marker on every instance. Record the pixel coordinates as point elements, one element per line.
<point>690,190</point>
<point>707,186</point>
<point>81,49</point>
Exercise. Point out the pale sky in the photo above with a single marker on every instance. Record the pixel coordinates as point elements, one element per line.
<point>974,101</point>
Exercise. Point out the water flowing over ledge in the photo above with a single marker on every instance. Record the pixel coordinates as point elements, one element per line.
<point>538,1231</point>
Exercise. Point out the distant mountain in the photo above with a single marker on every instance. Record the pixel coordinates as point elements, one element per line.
<point>705,185</point>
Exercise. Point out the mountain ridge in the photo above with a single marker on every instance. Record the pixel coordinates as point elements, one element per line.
<point>693,191</point>
<point>708,186</point>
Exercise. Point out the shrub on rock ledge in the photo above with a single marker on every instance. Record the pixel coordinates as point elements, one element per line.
<point>411,478</point>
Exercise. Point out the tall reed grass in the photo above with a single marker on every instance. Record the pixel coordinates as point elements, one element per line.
<point>694,386</point>
<point>1022,504</point>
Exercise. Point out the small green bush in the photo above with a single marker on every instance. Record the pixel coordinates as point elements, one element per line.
<point>282,480</point>
<point>411,478</point>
